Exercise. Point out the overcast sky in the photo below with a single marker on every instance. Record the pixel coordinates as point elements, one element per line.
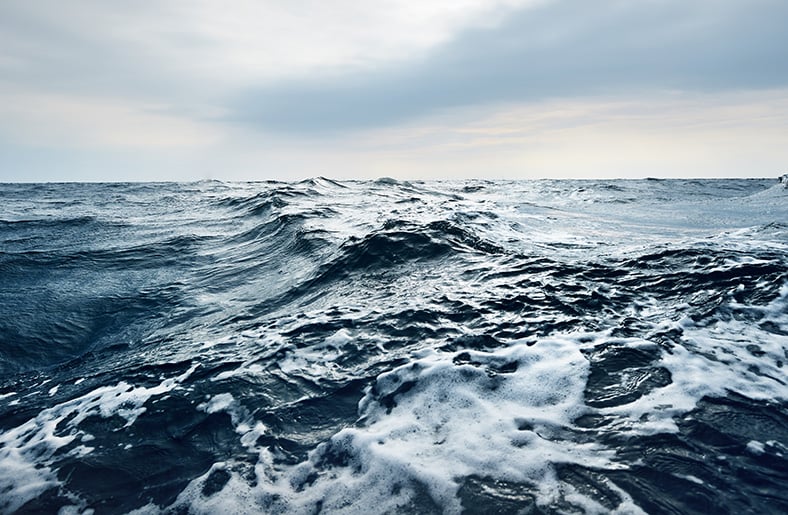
<point>288,89</point>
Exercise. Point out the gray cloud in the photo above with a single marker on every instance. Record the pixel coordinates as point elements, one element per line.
<point>91,48</point>
<point>563,48</point>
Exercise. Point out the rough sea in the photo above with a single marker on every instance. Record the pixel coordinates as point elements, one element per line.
<point>394,347</point>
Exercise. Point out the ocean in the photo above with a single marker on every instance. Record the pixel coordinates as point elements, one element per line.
<point>551,346</point>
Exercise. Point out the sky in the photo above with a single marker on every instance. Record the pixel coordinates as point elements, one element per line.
<point>96,90</point>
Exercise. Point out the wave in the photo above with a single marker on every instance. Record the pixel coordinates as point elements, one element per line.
<point>330,346</point>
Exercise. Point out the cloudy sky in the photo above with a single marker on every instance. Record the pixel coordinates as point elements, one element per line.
<point>288,89</point>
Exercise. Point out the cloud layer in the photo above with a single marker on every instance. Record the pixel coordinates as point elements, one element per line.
<point>561,49</point>
<point>180,89</point>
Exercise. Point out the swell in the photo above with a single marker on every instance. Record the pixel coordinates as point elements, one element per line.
<point>281,251</point>
<point>398,248</point>
<point>705,277</point>
<point>172,252</point>
<point>46,223</point>
<point>50,330</point>
<point>288,306</point>
<point>706,466</point>
<point>279,195</point>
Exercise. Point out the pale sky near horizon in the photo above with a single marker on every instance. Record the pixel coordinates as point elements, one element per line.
<point>95,90</point>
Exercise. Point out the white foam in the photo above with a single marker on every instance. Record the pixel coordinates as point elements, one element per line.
<point>247,370</point>
<point>318,360</point>
<point>221,402</point>
<point>755,447</point>
<point>249,429</point>
<point>589,506</point>
<point>713,360</point>
<point>456,420</point>
<point>690,477</point>
<point>236,496</point>
<point>28,451</point>
<point>445,416</point>
<point>75,510</point>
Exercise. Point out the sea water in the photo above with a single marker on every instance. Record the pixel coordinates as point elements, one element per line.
<point>387,347</point>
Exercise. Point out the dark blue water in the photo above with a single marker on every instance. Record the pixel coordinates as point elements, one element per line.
<point>374,347</point>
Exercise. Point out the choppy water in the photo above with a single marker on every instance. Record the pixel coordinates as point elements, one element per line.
<point>358,347</point>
